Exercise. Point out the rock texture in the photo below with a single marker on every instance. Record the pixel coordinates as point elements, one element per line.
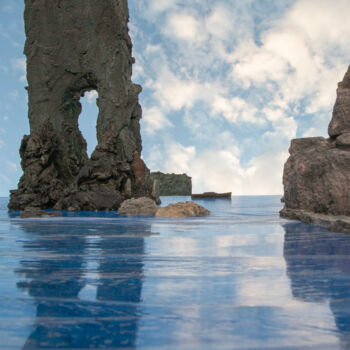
<point>227,195</point>
<point>173,184</point>
<point>30,212</point>
<point>316,176</point>
<point>181,209</point>
<point>138,206</point>
<point>73,47</point>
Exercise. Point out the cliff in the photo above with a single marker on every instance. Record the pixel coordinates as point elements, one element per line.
<point>173,184</point>
<point>316,176</point>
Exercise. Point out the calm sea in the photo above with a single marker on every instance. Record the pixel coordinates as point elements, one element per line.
<point>241,278</point>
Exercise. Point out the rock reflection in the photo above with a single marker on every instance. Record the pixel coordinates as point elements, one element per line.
<point>64,259</point>
<point>318,265</point>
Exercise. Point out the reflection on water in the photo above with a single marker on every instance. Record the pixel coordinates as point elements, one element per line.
<point>318,265</point>
<point>241,278</point>
<point>107,263</point>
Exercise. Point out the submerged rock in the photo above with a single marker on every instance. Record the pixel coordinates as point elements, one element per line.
<point>73,47</point>
<point>32,212</point>
<point>316,176</point>
<point>173,184</point>
<point>138,206</point>
<point>182,209</point>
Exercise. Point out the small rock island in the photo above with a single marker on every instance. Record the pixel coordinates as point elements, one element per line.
<point>173,184</point>
<point>316,176</point>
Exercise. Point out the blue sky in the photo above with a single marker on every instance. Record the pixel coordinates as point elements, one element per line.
<point>226,85</point>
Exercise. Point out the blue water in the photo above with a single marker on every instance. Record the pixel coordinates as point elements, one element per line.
<point>241,278</point>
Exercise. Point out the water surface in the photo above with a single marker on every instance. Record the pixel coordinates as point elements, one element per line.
<point>241,278</point>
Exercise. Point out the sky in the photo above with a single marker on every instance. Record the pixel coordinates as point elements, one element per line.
<point>226,85</point>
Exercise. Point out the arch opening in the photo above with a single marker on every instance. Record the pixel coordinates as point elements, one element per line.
<point>88,119</point>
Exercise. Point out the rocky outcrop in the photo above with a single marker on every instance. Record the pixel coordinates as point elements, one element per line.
<point>173,184</point>
<point>227,195</point>
<point>316,176</point>
<point>181,210</point>
<point>73,47</point>
<point>138,207</point>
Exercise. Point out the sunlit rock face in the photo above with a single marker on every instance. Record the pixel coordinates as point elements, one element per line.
<point>317,174</point>
<point>73,47</point>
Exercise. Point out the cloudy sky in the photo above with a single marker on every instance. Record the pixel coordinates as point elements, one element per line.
<point>226,85</point>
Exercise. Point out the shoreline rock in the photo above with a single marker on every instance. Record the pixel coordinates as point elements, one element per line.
<point>143,206</point>
<point>181,210</point>
<point>336,223</point>
<point>316,176</point>
<point>32,212</point>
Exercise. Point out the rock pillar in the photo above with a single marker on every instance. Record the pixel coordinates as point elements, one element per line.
<point>73,47</point>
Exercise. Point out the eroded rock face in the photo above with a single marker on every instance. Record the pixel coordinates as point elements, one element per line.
<point>173,184</point>
<point>181,210</point>
<point>317,174</point>
<point>73,47</point>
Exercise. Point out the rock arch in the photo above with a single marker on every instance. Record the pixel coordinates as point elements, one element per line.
<point>73,47</point>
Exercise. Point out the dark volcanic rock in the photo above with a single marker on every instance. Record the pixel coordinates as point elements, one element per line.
<point>317,174</point>
<point>213,195</point>
<point>173,184</point>
<point>73,47</point>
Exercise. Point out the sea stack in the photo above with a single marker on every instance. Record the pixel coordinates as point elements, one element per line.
<point>73,47</point>
<point>316,176</point>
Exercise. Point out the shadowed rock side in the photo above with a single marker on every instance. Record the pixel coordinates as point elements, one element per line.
<point>173,184</point>
<point>316,176</point>
<point>73,47</point>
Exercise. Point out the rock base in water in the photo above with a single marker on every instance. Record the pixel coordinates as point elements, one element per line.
<point>226,195</point>
<point>138,206</point>
<point>316,176</point>
<point>31,212</point>
<point>181,210</point>
<point>334,223</point>
<point>173,184</point>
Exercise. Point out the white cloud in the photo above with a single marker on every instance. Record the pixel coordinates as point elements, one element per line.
<point>173,92</point>
<point>219,168</point>
<point>269,76</point>
<point>235,110</point>
<point>154,119</point>
<point>158,6</point>
<point>283,125</point>
<point>183,26</point>
<point>91,96</point>
<point>2,143</point>
<point>179,157</point>
<point>219,23</point>
<point>295,55</point>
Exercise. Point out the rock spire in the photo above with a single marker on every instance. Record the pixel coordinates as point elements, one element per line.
<point>73,47</point>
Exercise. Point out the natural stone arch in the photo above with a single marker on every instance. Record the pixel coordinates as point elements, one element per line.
<point>73,47</point>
